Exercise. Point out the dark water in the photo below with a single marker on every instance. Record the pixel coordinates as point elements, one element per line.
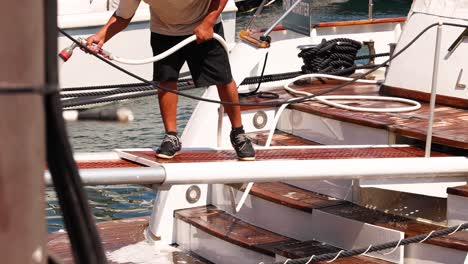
<point>117,202</point>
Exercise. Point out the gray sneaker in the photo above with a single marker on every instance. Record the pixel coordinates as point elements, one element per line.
<point>243,146</point>
<point>170,146</point>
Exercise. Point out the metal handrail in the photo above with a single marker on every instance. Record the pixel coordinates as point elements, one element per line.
<point>169,174</point>
<point>435,74</point>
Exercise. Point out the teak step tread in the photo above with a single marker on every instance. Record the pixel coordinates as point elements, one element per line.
<point>458,190</point>
<point>115,235</point>
<point>292,196</point>
<point>226,227</point>
<point>280,138</point>
<point>311,153</point>
<point>309,248</point>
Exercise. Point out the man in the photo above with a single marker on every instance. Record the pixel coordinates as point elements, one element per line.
<point>171,22</point>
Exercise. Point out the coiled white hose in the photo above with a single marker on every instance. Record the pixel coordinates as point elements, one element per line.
<point>167,53</point>
<point>325,99</point>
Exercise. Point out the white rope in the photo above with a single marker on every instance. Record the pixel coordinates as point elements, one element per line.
<point>395,248</point>
<point>275,122</point>
<point>163,55</point>
<point>336,257</point>
<point>367,250</point>
<point>428,236</point>
<point>456,230</point>
<point>287,261</point>
<point>310,259</point>
<point>325,99</point>
<point>244,196</point>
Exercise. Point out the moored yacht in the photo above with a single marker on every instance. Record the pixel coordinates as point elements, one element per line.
<point>332,174</point>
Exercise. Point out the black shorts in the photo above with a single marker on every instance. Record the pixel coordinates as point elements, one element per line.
<point>208,61</point>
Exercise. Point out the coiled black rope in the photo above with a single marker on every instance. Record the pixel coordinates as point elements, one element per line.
<point>275,103</point>
<point>334,57</point>
<point>372,248</point>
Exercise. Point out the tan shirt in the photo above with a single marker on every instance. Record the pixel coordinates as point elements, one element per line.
<point>169,17</point>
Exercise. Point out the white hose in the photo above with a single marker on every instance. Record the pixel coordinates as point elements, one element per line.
<point>326,100</point>
<point>168,52</point>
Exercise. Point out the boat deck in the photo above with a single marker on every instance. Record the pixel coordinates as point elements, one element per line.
<point>449,125</point>
<point>116,235</point>
<point>148,157</point>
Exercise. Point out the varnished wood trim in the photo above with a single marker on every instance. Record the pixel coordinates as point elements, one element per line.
<point>345,23</point>
<point>422,96</point>
<point>458,191</point>
<point>360,22</point>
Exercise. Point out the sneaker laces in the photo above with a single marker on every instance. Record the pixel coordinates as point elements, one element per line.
<point>241,140</point>
<point>171,139</point>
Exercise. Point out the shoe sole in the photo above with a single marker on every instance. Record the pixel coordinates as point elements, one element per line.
<point>164,156</point>
<point>247,159</point>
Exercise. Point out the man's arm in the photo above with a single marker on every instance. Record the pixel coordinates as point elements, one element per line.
<point>204,31</point>
<point>117,22</point>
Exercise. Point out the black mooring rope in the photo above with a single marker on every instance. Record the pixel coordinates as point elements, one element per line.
<point>334,57</point>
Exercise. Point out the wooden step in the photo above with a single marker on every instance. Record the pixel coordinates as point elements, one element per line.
<point>307,249</point>
<point>116,235</point>
<point>271,205</point>
<point>320,205</point>
<point>228,228</point>
<point>449,124</point>
<point>292,196</point>
<point>280,138</point>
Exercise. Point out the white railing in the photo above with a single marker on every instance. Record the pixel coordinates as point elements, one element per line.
<point>277,170</point>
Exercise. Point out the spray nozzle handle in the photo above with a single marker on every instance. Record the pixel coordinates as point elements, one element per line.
<point>104,53</point>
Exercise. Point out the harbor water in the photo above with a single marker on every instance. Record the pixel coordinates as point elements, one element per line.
<point>146,131</point>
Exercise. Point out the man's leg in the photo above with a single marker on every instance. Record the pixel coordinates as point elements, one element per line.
<point>168,106</point>
<point>240,142</point>
<point>170,145</point>
<point>228,92</point>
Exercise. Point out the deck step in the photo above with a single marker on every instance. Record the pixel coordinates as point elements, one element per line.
<point>280,138</point>
<point>223,238</point>
<point>307,249</point>
<point>316,216</point>
<point>118,237</point>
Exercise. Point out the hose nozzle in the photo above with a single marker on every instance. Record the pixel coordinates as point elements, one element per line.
<point>67,52</point>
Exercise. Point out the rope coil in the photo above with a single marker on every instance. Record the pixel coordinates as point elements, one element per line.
<point>334,57</point>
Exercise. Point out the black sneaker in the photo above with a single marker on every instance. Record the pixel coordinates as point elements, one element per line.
<point>170,146</point>
<point>242,145</point>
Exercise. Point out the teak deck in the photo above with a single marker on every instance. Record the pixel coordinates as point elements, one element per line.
<point>114,235</point>
<point>449,125</point>
<point>188,156</point>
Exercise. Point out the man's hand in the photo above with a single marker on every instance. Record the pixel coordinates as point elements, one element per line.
<point>204,32</point>
<point>95,39</point>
